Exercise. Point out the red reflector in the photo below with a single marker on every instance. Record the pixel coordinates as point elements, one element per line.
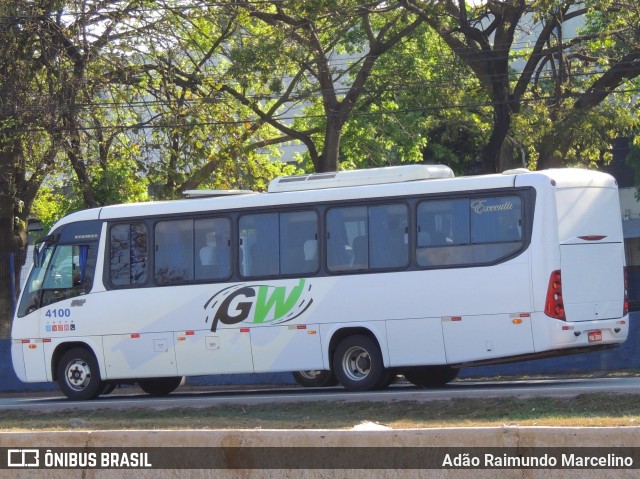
<point>25,341</point>
<point>525,315</point>
<point>244,330</point>
<point>46,340</point>
<point>135,335</point>
<point>625,307</point>
<point>301,326</point>
<point>592,237</point>
<point>566,328</point>
<point>456,318</point>
<point>190,333</point>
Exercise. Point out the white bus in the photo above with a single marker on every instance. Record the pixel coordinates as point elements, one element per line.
<point>350,277</point>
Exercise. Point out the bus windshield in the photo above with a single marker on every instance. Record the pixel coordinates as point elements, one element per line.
<point>30,298</point>
<point>60,272</point>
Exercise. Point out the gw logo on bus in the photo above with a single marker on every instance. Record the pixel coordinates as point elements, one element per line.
<point>258,304</point>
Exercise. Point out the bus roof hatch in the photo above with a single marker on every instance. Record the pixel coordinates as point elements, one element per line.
<point>372,176</point>
<point>213,193</point>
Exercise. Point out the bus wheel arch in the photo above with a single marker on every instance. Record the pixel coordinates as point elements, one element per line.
<point>63,348</point>
<point>357,360</point>
<point>77,372</point>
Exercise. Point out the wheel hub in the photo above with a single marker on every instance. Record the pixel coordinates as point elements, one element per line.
<point>357,363</point>
<point>78,375</point>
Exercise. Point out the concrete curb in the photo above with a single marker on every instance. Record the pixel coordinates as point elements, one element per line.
<point>511,437</point>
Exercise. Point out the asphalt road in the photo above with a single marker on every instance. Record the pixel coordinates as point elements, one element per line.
<point>132,397</point>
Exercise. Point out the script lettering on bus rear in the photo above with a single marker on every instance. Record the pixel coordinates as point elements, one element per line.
<point>259,303</point>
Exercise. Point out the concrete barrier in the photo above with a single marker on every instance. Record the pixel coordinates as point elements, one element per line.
<point>514,440</point>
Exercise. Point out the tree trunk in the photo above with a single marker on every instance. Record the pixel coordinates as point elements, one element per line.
<point>12,239</point>
<point>331,151</point>
<point>501,124</point>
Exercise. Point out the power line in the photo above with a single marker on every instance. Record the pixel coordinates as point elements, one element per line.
<point>244,121</point>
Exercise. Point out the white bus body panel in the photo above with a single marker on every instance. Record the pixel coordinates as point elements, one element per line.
<point>227,351</point>
<point>591,252</point>
<point>29,361</point>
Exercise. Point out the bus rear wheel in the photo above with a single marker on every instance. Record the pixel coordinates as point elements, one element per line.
<point>431,376</point>
<point>315,378</point>
<point>358,365</point>
<point>160,386</point>
<point>78,375</point>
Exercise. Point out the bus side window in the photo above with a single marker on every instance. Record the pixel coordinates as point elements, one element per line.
<point>213,246</point>
<point>259,244</point>
<point>128,254</point>
<point>298,242</point>
<point>388,236</point>
<point>346,232</point>
<point>174,252</point>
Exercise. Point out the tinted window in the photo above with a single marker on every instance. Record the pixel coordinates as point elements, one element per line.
<point>361,237</point>
<point>213,244</point>
<point>468,231</point>
<point>128,254</point>
<point>278,243</point>
<point>174,252</point>
<point>259,245</point>
<point>299,242</point>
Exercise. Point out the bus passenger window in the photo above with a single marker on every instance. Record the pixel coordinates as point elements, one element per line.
<point>213,244</point>
<point>128,254</point>
<point>388,236</point>
<point>468,231</point>
<point>347,242</point>
<point>174,252</point>
<point>259,244</point>
<point>367,237</point>
<point>298,242</point>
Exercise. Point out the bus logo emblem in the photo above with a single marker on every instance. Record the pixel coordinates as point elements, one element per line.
<point>258,304</point>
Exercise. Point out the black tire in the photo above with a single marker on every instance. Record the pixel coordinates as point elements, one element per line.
<point>315,378</point>
<point>78,375</point>
<point>358,365</point>
<point>108,387</point>
<point>431,376</point>
<point>159,386</point>
<point>386,379</point>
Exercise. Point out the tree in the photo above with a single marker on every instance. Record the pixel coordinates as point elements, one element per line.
<point>483,37</point>
<point>303,42</point>
<point>49,72</point>
<point>425,110</point>
<point>25,154</point>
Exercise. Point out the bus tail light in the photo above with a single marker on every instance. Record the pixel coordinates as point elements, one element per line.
<point>554,305</point>
<point>625,310</point>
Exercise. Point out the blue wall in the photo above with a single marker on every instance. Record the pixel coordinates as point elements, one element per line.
<point>624,357</point>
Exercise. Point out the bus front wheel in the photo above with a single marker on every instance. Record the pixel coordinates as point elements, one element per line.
<point>160,386</point>
<point>358,365</point>
<point>78,375</point>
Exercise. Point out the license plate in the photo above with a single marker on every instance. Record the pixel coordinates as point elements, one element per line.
<point>595,336</point>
